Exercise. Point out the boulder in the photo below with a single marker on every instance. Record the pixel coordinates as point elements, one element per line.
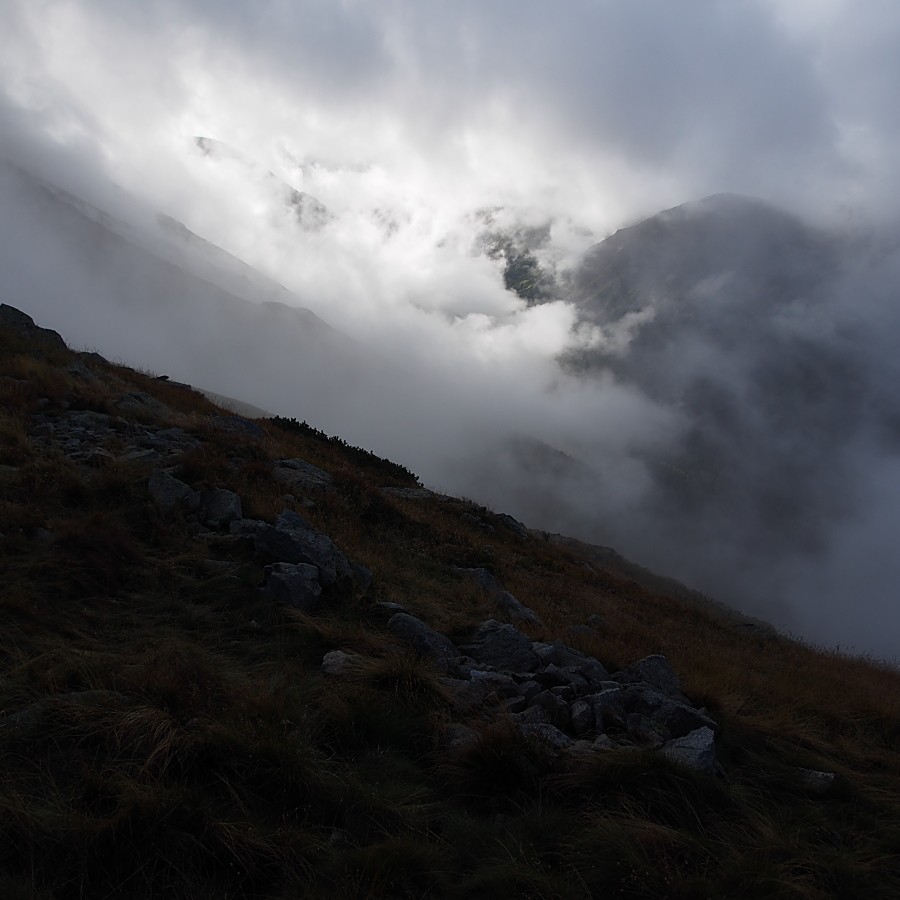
<point>167,492</point>
<point>608,707</point>
<point>508,607</point>
<point>696,750</point>
<point>556,706</point>
<point>23,324</point>
<point>424,640</point>
<point>814,782</point>
<point>219,508</point>
<point>646,731</point>
<point>294,584</point>
<point>549,734</point>
<point>679,718</point>
<point>656,671</point>
<point>338,664</point>
<point>293,539</point>
<point>142,404</point>
<point>582,717</point>
<point>300,476</point>
<point>503,647</point>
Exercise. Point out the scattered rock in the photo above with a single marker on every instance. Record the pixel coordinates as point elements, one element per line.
<point>142,404</point>
<point>503,647</point>
<point>300,476</point>
<point>679,718</point>
<point>219,508</point>
<point>293,539</point>
<point>294,584</point>
<point>338,664</point>
<point>695,750</point>
<point>814,782</point>
<point>548,734</point>
<point>167,492</point>
<point>424,640</point>
<point>656,671</point>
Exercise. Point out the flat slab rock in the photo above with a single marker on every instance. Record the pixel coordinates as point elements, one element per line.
<point>503,647</point>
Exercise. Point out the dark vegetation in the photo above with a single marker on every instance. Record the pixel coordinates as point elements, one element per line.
<point>384,467</point>
<point>166,732</point>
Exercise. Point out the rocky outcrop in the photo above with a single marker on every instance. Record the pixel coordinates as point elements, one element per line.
<point>561,696</point>
<point>292,539</point>
<point>21,323</point>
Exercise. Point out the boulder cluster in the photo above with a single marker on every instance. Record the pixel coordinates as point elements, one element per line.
<point>564,697</point>
<point>552,691</point>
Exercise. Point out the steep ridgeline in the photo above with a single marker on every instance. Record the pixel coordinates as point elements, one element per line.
<point>245,658</point>
<point>726,313</point>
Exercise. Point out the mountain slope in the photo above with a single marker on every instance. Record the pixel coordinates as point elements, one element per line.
<point>172,727</point>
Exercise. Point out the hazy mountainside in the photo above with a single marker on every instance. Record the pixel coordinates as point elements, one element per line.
<point>728,312</point>
<point>247,659</point>
<point>310,213</point>
<point>156,294</point>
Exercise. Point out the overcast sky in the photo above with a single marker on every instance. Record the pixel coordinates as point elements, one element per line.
<point>407,117</point>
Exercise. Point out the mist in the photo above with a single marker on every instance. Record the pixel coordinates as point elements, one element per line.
<point>334,256</point>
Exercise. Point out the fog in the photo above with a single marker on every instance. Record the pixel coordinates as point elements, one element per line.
<point>422,131</point>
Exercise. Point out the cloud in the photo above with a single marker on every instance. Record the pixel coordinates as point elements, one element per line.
<point>415,122</point>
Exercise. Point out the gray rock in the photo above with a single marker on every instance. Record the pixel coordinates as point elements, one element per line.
<point>557,707</point>
<point>814,782</point>
<point>23,324</point>
<point>456,738</point>
<point>534,715</point>
<point>409,493</point>
<point>608,707</point>
<point>80,371</point>
<point>219,508</point>
<point>515,704</point>
<point>496,683</point>
<point>529,690</point>
<point>695,750</point>
<point>558,654</point>
<point>301,476</point>
<point>646,731</point>
<point>338,664</point>
<point>167,492</point>
<point>244,528</point>
<point>549,734</point>
<point>584,631</point>
<point>679,718</point>
<point>514,525</point>
<point>656,671</point>
<point>583,716</point>
<point>142,404</point>
<point>482,577</point>
<point>503,647</point>
<point>424,640</point>
<point>238,425</point>
<point>293,539</point>
<point>294,584</point>
<point>508,607</point>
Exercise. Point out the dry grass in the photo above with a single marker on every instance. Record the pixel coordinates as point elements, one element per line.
<point>214,760</point>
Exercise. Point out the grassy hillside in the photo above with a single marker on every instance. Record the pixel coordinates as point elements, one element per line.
<point>167,729</point>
